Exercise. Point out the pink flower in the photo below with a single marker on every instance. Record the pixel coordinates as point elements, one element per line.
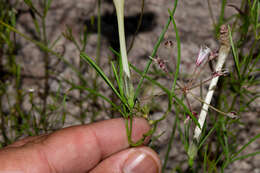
<point>203,54</point>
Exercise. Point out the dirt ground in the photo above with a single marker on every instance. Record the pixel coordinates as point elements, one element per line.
<point>195,29</point>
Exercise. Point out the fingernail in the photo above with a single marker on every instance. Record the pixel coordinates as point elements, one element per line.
<point>139,162</point>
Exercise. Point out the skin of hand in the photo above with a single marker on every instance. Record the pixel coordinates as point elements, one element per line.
<point>95,148</point>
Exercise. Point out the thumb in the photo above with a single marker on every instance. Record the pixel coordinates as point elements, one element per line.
<point>133,160</point>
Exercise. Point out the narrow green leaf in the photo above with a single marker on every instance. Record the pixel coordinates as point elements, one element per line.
<point>205,159</point>
<point>137,91</point>
<point>37,27</point>
<point>226,144</point>
<point>31,6</point>
<point>179,52</point>
<point>121,83</point>
<point>222,15</point>
<point>117,78</point>
<point>102,74</point>
<point>47,7</point>
<point>13,19</point>
<point>175,124</point>
<point>251,68</point>
<point>245,146</point>
<point>246,156</point>
<point>206,137</point>
<point>257,13</point>
<point>55,41</point>
<point>85,36</point>
<point>235,54</point>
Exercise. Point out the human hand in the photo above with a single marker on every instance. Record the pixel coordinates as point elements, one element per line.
<point>98,147</point>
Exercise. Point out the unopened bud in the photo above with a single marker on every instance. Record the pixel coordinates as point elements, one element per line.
<point>203,54</point>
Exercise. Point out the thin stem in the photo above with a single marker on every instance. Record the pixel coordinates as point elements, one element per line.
<point>179,53</point>
<point>211,13</point>
<point>98,33</point>
<point>188,102</point>
<point>46,67</point>
<point>138,27</point>
<point>202,82</point>
<point>98,51</point>
<point>170,142</point>
<point>212,107</point>
<point>137,91</point>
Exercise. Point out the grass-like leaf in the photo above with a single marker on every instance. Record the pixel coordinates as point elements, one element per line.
<point>244,147</point>
<point>246,156</point>
<point>103,75</point>
<point>176,75</point>
<point>235,53</point>
<point>206,137</point>
<point>137,91</point>
<point>120,83</point>
<point>31,6</point>
<point>121,91</point>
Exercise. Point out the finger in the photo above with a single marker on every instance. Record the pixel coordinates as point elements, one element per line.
<point>133,160</point>
<point>82,147</point>
<point>78,148</point>
<point>26,140</point>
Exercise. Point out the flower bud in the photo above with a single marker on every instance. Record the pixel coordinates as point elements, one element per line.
<point>203,54</point>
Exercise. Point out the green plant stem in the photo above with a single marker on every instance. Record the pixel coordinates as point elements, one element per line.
<point>222,13</point>
<point>211,13</point>
<point>138,27</point>
<point>47,74</point>
<point>137,91</point>
<point>170,141</point>
<point>98,33</point>
<point>105,78</point>
<point>98,51</point>
<point>178,57</point>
